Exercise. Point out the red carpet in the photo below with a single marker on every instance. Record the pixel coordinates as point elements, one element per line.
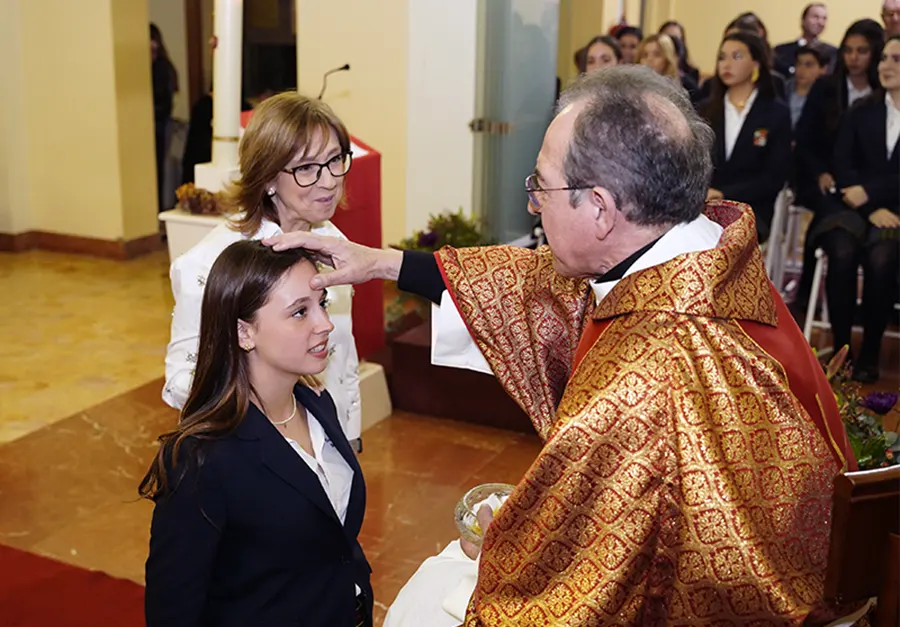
<point>39,592</point>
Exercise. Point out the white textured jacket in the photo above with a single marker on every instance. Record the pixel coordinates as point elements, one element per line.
<point>188,276</point>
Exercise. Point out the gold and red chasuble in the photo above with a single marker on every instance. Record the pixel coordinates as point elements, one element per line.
<point>686,475</point>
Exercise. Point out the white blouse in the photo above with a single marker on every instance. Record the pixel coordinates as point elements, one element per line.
<point>333,471</point>
<point>734,121</point>
<point>854,94</point>
<point>188,277</point>
<point>892,125</point>
<point>331,468</point>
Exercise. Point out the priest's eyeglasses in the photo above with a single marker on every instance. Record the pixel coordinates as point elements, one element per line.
<point>308,174</point>
<point>532,187</point>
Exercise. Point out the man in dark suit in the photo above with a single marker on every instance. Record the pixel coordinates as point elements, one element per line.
<point>890,15</point>
<point>812,23</point>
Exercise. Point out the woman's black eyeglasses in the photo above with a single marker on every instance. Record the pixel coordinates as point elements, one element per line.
<point>308,174</point>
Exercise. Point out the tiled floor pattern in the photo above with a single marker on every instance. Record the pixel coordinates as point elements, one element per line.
<point>77,331</point>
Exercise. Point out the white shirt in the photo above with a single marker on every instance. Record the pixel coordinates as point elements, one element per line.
<point>452,346</point>
<point>734,121</point>
<point>188,277</point>
<point>333,471</point>
<point>854,94</point>
<point>893,124</point>
<point>691,237</point>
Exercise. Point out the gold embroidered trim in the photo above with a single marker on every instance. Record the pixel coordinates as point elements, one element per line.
<point>831,437</point>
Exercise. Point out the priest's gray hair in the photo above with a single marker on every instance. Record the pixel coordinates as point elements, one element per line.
<point>639,136</point>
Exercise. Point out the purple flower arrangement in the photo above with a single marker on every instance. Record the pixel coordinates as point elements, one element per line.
<point>880,402</point>
<point>863,417</point>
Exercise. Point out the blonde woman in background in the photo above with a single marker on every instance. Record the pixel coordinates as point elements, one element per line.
<point>675,30</point>
<point>293,157</point>
<point>660,54</point>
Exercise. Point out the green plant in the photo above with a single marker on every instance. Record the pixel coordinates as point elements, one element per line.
<point>444,229</point>
<point>863,417</point>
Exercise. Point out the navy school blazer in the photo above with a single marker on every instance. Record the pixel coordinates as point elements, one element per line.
<point>251,538</point>
<point>760,162</point>
<point>861,156</point>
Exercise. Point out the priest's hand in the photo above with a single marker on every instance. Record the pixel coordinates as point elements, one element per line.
<point>352,263</point>
<point>855,196</point>
<point>714,194</point>
<point>484,515</point>
<point>885,219</point>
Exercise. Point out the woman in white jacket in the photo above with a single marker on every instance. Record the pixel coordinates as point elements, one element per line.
<point>293,157</point>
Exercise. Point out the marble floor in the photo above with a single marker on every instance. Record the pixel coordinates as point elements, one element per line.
<point>69,490</point>
<point>77,331</point>
<point>81,356</point>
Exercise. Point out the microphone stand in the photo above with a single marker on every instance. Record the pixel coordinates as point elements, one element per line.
<point>343,68</point>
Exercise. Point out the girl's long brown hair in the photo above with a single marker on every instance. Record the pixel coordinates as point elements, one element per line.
<point>238,285</point>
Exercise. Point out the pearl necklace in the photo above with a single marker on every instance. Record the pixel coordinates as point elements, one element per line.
<point>289,418</point>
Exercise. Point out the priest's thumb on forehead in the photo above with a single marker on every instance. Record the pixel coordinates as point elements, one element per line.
<point>337,277</point>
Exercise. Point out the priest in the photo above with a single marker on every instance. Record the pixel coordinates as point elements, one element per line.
<point>690,436</point>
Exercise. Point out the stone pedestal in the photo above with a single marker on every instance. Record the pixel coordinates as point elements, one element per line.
<point>185,229</point>
<point>419,387</point>
<point>213,177</point>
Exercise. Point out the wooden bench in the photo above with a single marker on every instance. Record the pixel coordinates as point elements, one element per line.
<point>864,552</point>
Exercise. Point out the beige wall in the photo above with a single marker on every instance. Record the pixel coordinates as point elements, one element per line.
<point>15,211</point>
<point>134,119</point>
<point>704,21</point>
<point>371,98</point>
<point>442,50</point>
<point>633,11</point>
<point>657,12</point>
<point>79,154</point>
<point>169,16</point>
<point>206,30</point>
<point>579,22</point>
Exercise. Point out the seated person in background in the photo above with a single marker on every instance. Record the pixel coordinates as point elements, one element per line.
<point>687,80</point>
<point>629,38</point>
<point>658,52</point>
<point>890,15</point>
<point>675,30</point>
<point>600,52</point>
<point>749,23</point>
<point>752,152</point>
<point>293,158</point>
<point>866,228</point>
<point>258,496</point>
<point>810,64</point>
<point>812,24</point>
<point>855,76</point>
<point>751,20</point>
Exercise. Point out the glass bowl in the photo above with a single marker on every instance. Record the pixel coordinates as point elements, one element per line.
<point>464,514</point>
